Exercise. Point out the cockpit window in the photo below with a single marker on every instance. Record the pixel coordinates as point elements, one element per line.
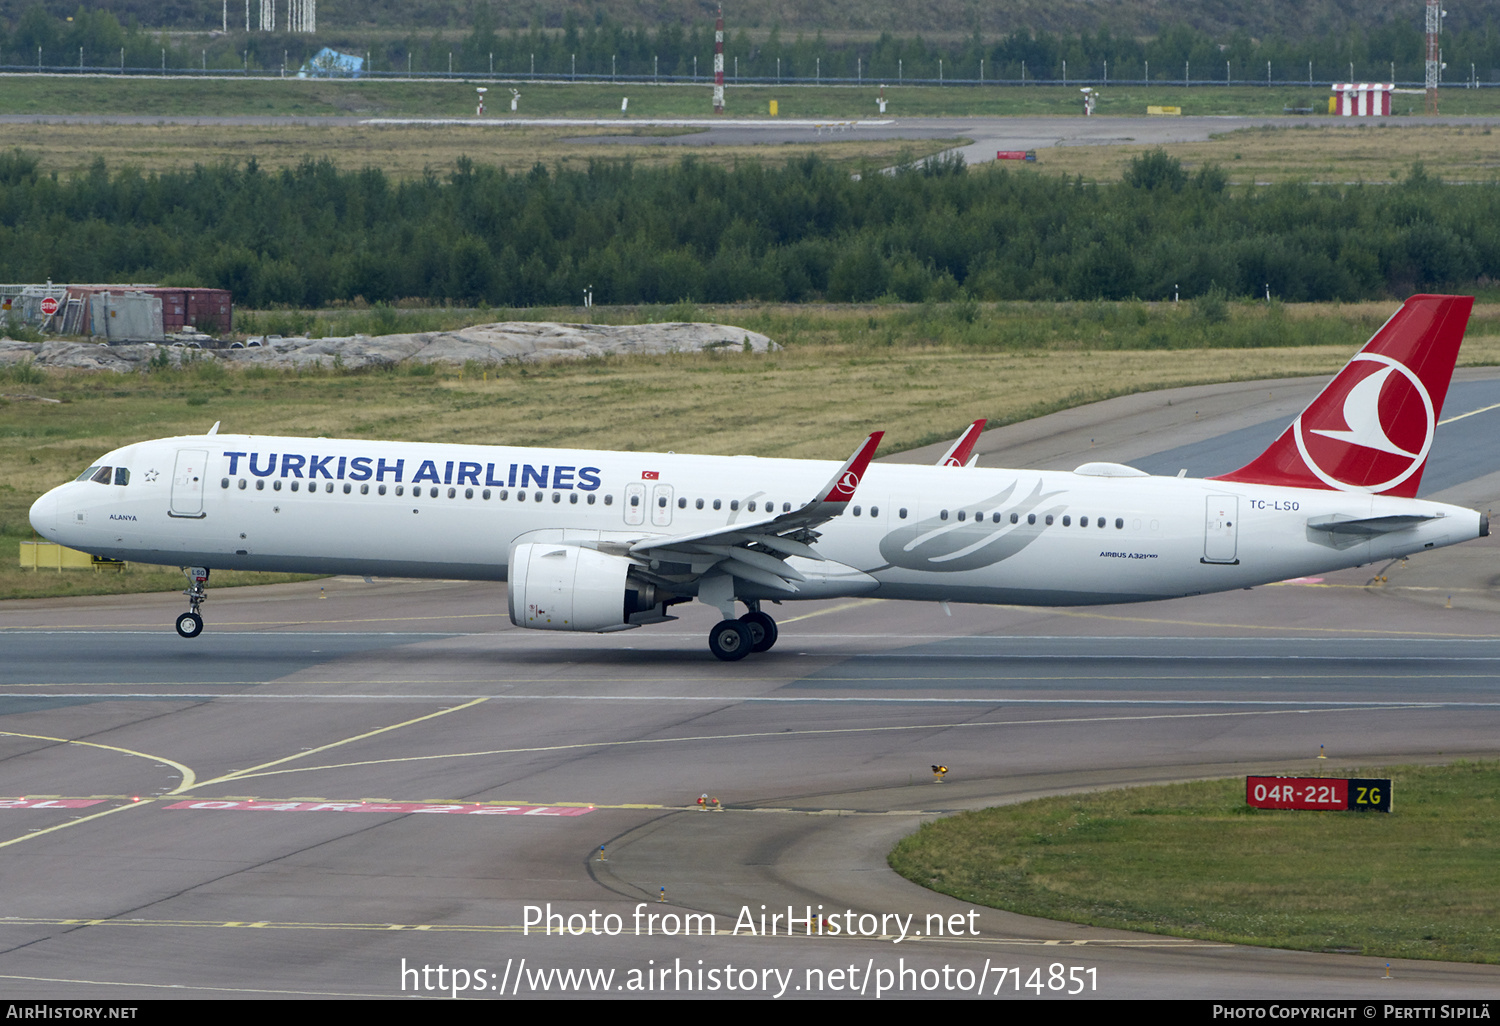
<point>87,473</point>
<point>122,476</point>
<point>102,475</point>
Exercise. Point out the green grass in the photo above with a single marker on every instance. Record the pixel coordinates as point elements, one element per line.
<point>1194,860</point>
<point>134,579</point>
<point>416,151</point>
<point>1353,151</point>
<point>1210,323</point>
<point>369,98</point>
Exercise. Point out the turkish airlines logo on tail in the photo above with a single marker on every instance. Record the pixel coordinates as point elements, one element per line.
<point>952,461</point>
<point>849,482</point>
<point>1371,429</point>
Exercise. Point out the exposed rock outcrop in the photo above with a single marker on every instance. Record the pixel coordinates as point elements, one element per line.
<point>506,342</point>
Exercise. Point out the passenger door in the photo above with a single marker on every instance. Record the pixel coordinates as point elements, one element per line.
<point>187,483</point>
<point>1221,529</point>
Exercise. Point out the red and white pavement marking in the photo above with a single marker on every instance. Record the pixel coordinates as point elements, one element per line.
<point>387,807</point>
<point>48,803</point>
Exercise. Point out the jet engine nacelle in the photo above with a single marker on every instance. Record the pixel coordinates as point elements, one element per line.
<point>561,587</point>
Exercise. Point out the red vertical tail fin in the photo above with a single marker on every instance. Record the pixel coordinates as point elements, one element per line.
<point>1371,428</point>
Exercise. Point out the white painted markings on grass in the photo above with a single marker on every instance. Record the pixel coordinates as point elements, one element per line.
<point>460,809</point>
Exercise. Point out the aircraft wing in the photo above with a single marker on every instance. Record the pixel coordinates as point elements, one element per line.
<point>756,550</point>
<point>961,453</point>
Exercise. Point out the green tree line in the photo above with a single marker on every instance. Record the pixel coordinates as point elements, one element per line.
<point>601,46</point>
<point>311,235</point>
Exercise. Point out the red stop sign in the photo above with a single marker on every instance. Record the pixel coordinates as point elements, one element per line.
<point>49,306</point>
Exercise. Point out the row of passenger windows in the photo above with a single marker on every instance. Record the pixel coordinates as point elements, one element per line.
<point>998,517</point>
<point>104,475</point>
<point>734,504</point>
<point>1031,518</point>
<point>503,494</point>
<point>590,498</point>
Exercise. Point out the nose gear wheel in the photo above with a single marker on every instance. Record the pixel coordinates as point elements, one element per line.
<point>190,624</point>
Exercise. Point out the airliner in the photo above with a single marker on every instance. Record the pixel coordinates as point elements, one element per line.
<point>607,541</point>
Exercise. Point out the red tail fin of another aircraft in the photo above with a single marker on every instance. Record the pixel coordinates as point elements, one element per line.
<point>1371,428</point>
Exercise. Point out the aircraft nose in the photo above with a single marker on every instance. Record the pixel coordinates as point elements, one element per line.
<point>44,514</point>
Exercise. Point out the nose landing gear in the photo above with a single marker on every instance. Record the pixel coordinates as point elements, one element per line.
<point>190,624</point>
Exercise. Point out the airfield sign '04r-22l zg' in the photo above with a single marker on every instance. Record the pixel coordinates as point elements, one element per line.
<point>605,541</point>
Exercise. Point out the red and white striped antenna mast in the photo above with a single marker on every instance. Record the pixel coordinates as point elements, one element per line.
<point>1434,29</point>
<point>719,63</point>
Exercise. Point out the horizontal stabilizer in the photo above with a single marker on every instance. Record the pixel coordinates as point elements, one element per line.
<point>1343,524</point>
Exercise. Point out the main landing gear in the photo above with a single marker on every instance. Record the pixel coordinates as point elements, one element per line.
<point>190,624</point>
<point>735,639</point>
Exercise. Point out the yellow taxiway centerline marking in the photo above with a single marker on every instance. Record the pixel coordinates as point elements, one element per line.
<point>1461,416</point>
<point>72,822</point>
<point>247,774</point>
<point>727,699</point>
<point>617,806</point>
<point>831,609</point>
<point>182,987</point>
<point>1375,587</point>
<point>188,777</point>
<point>1395,633</point>
<point>188,780</point>
<point>254,770</point>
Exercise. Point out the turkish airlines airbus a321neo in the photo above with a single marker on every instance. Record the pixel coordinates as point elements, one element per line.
<point>604,541</point>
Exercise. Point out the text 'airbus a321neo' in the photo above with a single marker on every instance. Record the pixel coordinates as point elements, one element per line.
<point>605,541</point>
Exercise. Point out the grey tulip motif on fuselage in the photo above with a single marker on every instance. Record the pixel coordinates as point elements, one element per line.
<point>935,544</point>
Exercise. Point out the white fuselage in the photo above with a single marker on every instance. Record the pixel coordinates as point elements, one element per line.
<point>252,502</point>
